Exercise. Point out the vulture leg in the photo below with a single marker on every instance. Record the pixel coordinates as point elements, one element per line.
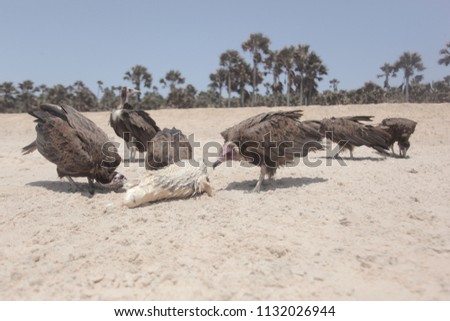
<point>132,149</point>
<point>72,182</point>
<point>132,154</point>
<point>392,149</point>
<point>261,179</point>
<point>91,186</point>
<point>351,153</point>
<point>403,152</point>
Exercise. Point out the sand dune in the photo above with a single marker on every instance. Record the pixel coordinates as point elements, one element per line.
<point>374,229</point>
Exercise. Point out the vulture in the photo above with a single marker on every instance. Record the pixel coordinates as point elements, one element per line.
<point>76,145</point>
<point>136,127</point>
<point>400,129</point>
<point>167,147</point>
<point>269,140</point>
<point>348,132</point>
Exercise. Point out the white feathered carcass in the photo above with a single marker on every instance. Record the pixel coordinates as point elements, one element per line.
<point>180,180</point>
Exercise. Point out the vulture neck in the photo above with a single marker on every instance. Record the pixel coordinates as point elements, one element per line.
<point>123,99</point>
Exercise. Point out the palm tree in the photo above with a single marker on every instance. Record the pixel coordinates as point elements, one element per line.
<point>218,80</point>
<point>273,65</point>
<point>229,60</point>
<point>314,70</point>
<point>445,60</point>
<point>286,59</point>
<point>387,70</point>
<point>44,93</point>
<point>175,98</point>
<point>301,56</point>
<point>174,78</point>
<point>26,95</point>
<point>334,84</point>
<point>241,77</point>
<point>257,45</point>
<point>82,97</point>
<point>99,88</point>
<point>139,75</point>
<point>59,94</point>
<point>409,63</point>
<point>7,93</point>
<point>109,99</point>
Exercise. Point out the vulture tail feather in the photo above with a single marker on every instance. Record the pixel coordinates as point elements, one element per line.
<point>29,148</point>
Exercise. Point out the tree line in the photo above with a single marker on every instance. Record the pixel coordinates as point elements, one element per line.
<point>284,77</point>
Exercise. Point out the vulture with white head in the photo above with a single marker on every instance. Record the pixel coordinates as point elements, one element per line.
<point>77,146</point>
<point>269,140</point>
<point>135,127</point>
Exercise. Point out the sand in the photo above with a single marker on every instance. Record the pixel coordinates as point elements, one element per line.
<point>376,229</point>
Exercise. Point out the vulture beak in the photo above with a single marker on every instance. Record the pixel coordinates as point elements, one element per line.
<point>229,152</point>
<point>217,163</point>
<point>117,182</point>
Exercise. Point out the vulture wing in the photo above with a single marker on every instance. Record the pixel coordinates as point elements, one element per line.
<point>358,118</point>
<point>276,137</point>
<point>167,147</point>
<point>59,142</point>
<point>343,129</point>
<point>74,143</point>
<point>403,124</point>
<point>141,126</point>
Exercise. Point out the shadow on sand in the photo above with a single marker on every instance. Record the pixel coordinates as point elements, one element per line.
<point>356,159</point>
<point>273,184</point>
<point>66,187</point>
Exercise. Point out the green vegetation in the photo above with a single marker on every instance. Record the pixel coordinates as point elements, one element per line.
<point>290,77</point>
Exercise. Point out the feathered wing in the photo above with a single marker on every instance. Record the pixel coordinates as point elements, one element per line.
<point>137,124</point>
<point>167,147</point>
<point>74,143</point>
<point>119,126</point>
<point>95,142</point>
<point>255,124</point>
<point>274,138</point>
<point>403,125</point>
<point>59,142</point>
<point>342,130</point>
<point>359,118</point>
<point>314,124</point>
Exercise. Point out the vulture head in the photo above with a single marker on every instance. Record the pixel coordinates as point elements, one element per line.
<point>230,151</point>
<point>117,181</point>
<point>126,93</point>
<point>105,174</point>
<point>403,144</point>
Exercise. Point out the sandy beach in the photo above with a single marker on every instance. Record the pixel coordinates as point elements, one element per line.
<point>375,229</point>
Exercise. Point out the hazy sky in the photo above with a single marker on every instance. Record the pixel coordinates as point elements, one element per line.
<point>54,42</point>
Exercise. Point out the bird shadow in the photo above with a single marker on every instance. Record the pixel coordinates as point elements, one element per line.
<point>397,156</point>
<point>66,187</point>
<point>273,184</point>
<point>356,159</point>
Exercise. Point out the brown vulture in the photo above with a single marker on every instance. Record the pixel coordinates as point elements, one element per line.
<point>400,130</point>
<point>348,132</point>
<point>136,127</point>
<point>315,124</point>
<point>167,147</point>
<point>269,140</point>
<point>76,145</point>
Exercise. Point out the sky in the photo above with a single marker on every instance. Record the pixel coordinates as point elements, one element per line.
<point>51,42</point>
